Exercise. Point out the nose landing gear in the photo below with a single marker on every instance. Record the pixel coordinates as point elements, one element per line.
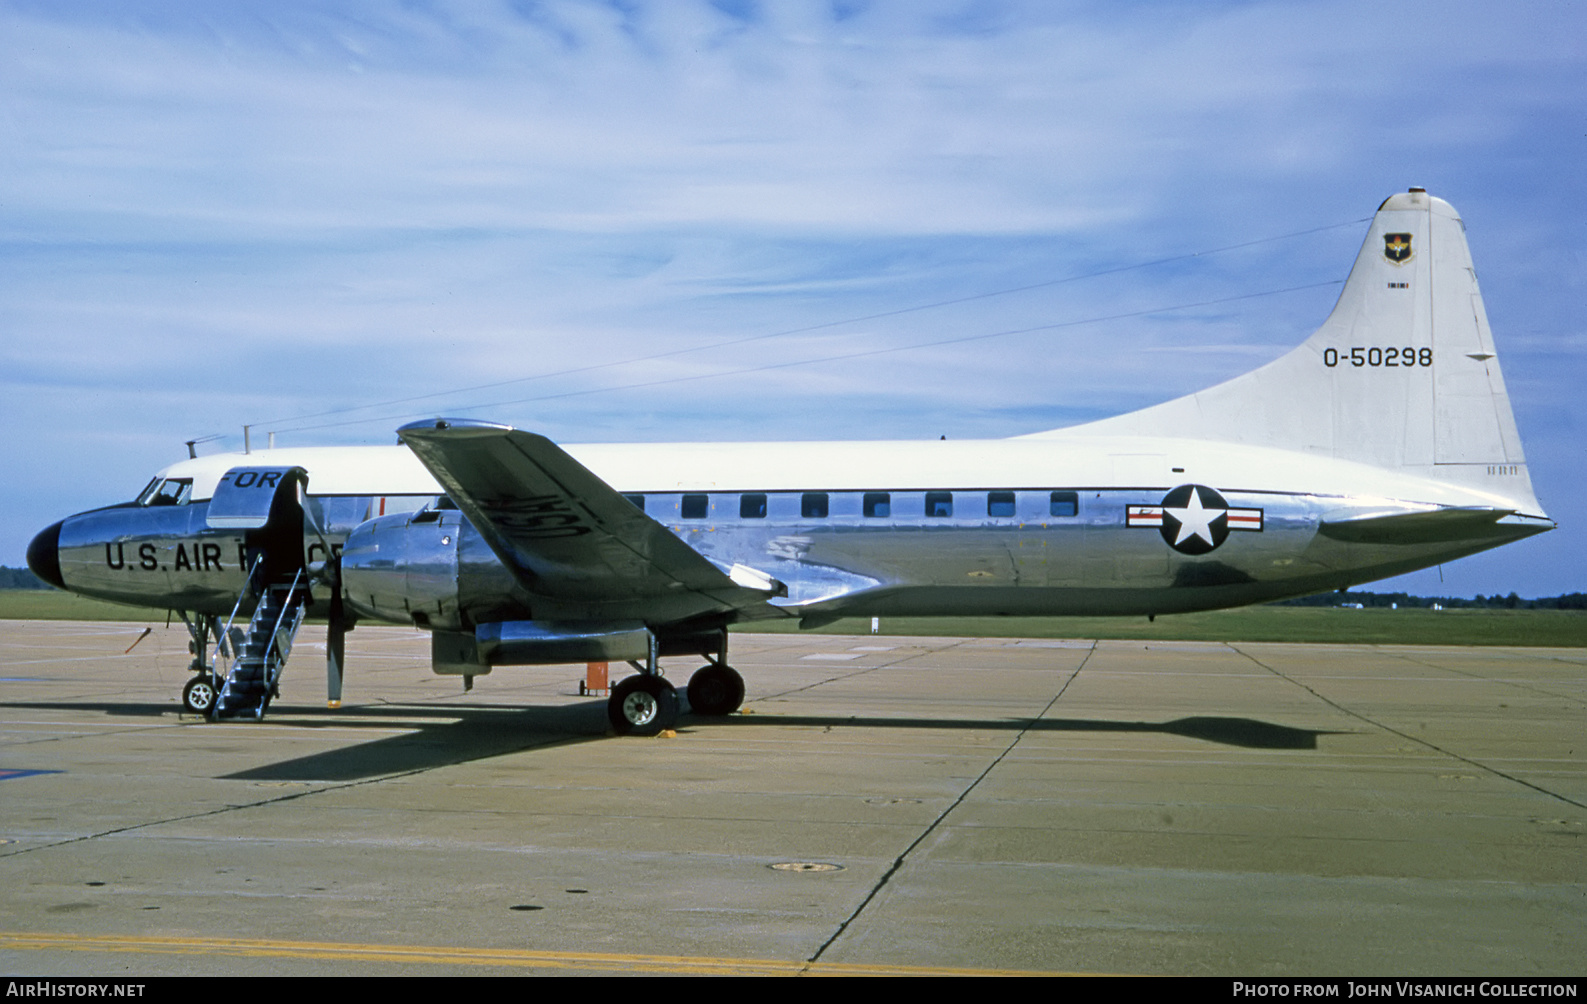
<point>198,697</point>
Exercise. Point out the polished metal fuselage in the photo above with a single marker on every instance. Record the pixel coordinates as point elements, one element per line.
<point>433,568</point>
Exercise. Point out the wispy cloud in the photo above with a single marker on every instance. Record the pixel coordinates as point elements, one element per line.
<point>236,214</point>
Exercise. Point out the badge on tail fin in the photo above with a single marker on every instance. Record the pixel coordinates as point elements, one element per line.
<point>1397,248</point>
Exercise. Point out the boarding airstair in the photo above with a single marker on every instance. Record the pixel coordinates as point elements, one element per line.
<point>254,659</point>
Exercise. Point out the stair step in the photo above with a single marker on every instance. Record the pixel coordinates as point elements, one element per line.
<point>261,652</point>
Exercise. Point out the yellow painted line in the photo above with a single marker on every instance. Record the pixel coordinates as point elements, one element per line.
<point>419,954</point>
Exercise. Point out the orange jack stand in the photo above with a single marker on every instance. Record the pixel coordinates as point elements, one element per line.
<point>594,679</point>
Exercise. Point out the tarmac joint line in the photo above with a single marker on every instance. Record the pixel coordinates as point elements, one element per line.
<point>898,862</point>
<point>1475,764</point>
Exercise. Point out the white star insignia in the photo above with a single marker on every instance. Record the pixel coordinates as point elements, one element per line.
<point>1194,521</point>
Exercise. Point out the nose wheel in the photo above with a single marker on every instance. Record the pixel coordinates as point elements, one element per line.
<point>198,697</point>
<point>716,689</point>
<point>642,705</point>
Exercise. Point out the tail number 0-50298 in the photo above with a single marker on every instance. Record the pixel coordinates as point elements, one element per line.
<point>1375,356</point>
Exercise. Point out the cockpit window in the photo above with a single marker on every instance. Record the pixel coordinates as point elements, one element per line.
<point>169,491</point>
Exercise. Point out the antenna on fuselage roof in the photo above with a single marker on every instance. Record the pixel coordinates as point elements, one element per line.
<point>192,445</point>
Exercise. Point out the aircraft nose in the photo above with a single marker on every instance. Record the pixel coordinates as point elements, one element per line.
<point>44,555</point>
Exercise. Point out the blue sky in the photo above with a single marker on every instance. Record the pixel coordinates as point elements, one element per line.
<point>218,215</point>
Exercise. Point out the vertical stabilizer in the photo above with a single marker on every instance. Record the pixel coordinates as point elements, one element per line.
<point>1403,374</point>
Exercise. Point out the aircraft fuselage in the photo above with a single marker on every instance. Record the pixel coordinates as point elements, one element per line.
<point>1020,528</point>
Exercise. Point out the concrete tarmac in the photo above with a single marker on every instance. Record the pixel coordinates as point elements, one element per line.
<point>883,805</point>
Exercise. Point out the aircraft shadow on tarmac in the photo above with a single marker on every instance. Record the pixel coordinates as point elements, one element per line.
<point>476,732</point>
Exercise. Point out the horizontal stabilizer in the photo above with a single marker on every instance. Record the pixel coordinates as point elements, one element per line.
<point>1433,526</point>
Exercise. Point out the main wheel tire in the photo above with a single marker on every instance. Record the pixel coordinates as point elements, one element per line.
<point>642,706</point>
<point>198,696</point>
<point>716,689</point>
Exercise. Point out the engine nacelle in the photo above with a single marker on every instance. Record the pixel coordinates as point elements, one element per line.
<point>404,568</point>
<point>432,569</point>
<point>538,643</point>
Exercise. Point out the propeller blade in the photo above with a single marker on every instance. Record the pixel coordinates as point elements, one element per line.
<point>335,649</point>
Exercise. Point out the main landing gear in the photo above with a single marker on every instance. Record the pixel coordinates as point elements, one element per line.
<point>642,705</point>
<point>646,704</point>
<point>716,689</point>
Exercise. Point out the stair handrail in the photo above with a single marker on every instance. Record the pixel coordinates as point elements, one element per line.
<point>223,645</point>
<point>272,666</point>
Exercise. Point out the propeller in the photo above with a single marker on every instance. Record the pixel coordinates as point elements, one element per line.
<point>338,624</point>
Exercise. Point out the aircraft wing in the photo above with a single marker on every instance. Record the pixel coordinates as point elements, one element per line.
<point>569,536</point>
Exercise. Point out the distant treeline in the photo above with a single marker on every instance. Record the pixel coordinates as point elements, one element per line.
<point>1569,601</point>
<point>22,578</point>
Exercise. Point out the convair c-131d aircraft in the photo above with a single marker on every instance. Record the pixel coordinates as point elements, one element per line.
<point>1383,444</point>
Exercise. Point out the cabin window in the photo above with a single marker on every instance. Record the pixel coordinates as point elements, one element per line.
<point>752,505</point>
<point>1064,504</point>
<point>1000,503</point>
<point>878,505</point>
<point>637,500</point>
<point>939,505</point>
<point>813,505</point>
<point>695,506</point>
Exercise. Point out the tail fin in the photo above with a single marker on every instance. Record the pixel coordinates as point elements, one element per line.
<point>1402,375</point>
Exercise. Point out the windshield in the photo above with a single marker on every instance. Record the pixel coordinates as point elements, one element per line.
<point>167,491</point>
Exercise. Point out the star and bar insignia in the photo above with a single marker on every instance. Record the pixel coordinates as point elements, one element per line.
<point>1397,248</point>
<point>1193,519</point>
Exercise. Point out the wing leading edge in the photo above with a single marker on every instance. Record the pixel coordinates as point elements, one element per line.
<point>568,536</point>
